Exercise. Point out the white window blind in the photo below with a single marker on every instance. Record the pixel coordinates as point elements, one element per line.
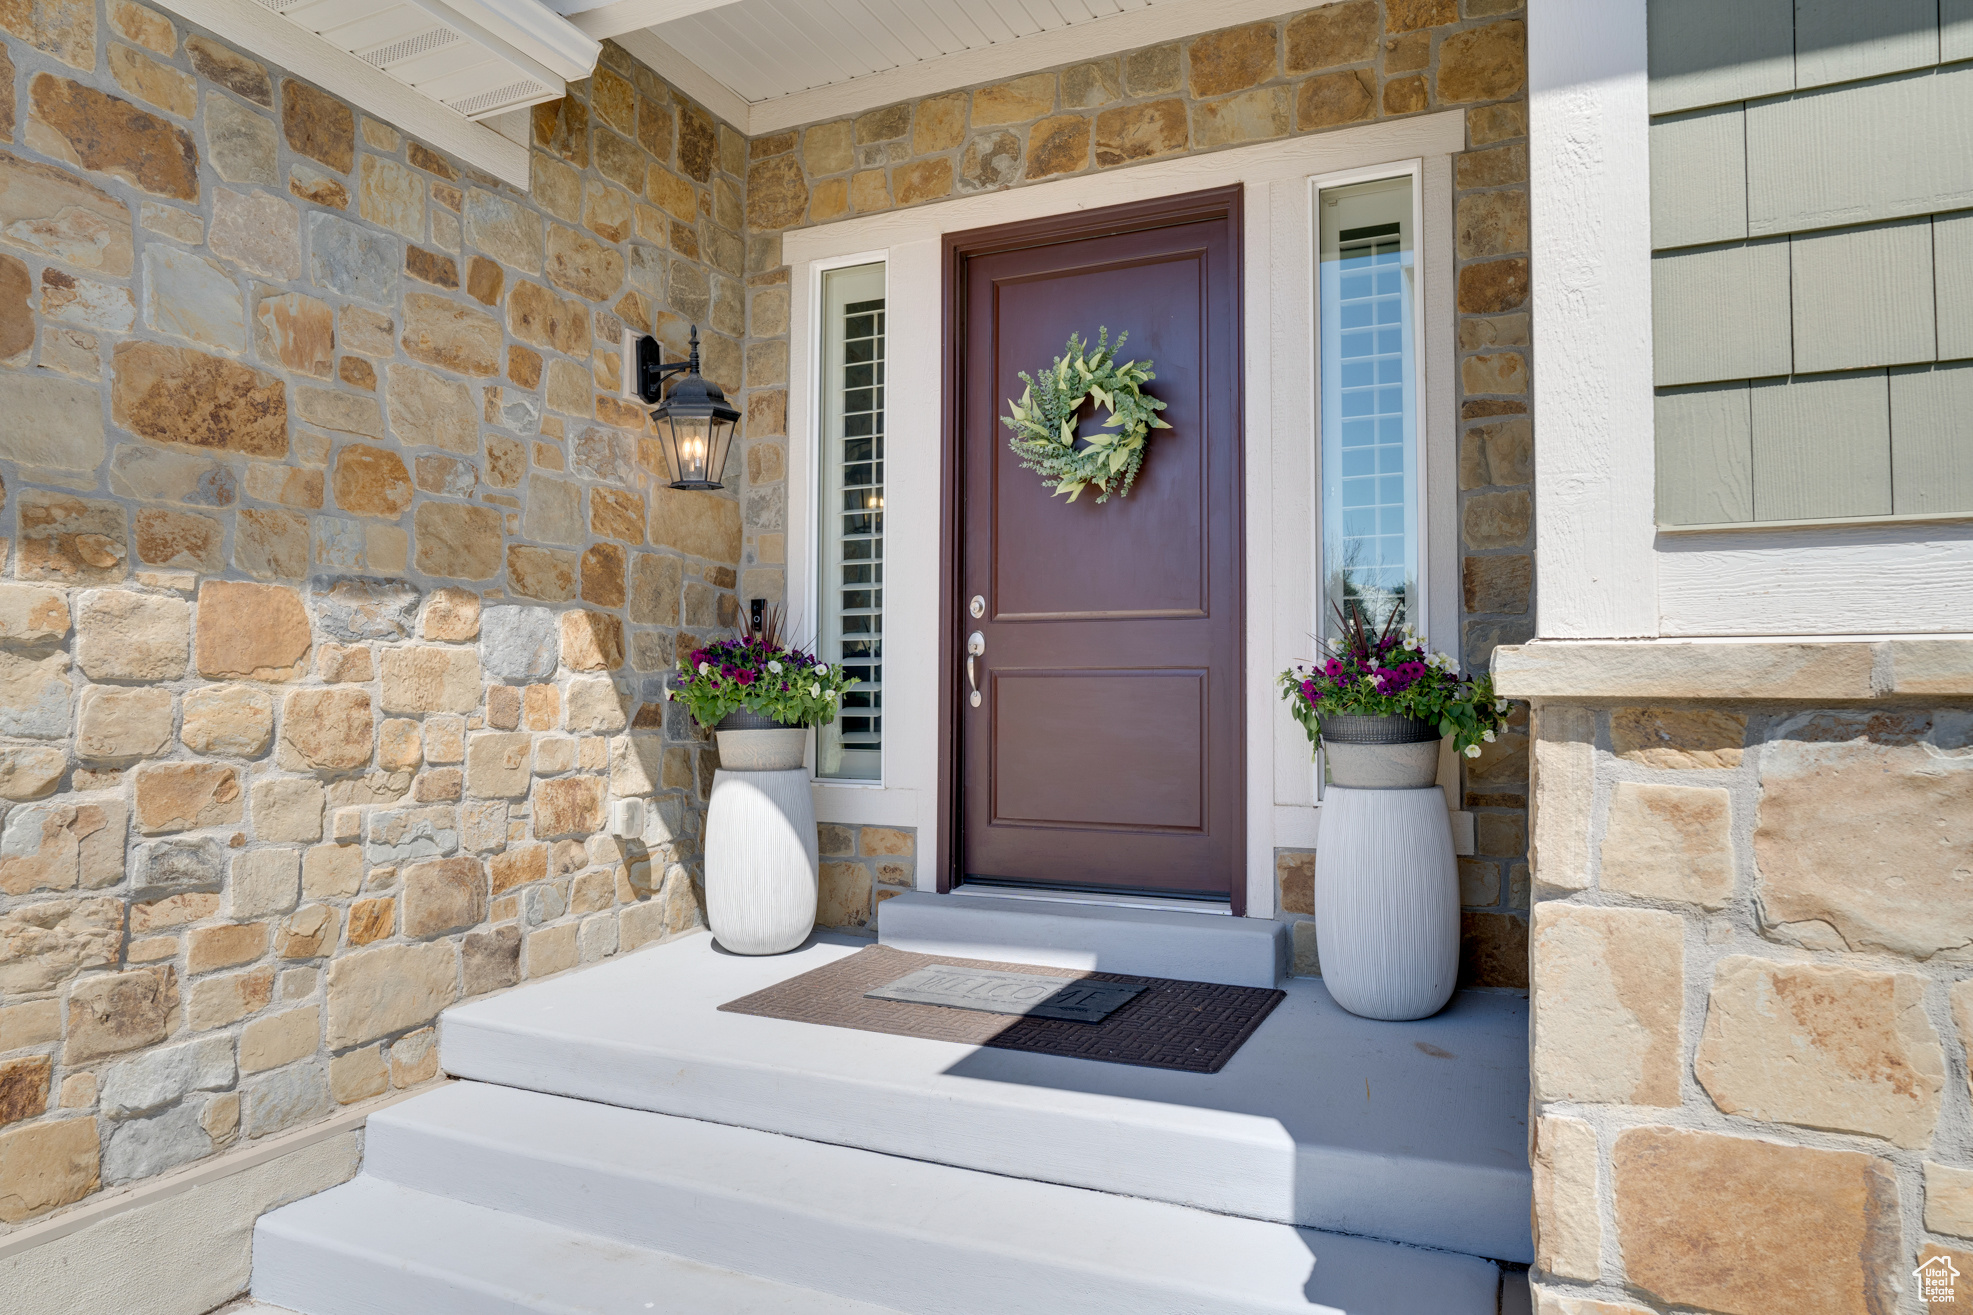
<point>851,520</point>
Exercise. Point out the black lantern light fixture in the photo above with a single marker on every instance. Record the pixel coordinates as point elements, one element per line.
<point>695,421</point>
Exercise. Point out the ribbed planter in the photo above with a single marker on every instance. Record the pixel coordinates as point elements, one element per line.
<point>1386,881</point>
<point>1381,753</point>
<point>749,742</point>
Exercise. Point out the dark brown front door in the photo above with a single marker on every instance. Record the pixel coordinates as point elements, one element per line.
<point>1106,750</point>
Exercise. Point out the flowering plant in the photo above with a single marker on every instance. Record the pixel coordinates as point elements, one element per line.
<point>762,674</point>
<point>1392,674</point>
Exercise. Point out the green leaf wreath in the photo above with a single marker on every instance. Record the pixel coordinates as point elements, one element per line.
<point>1044,420</point>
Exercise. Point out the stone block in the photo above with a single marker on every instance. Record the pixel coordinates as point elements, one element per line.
<point>251,631</point>
<point>443,895</point>
<point>187,796</point>
<point>519,643</point>
<point>263,883</point>
<point>225,946</point>
<point>1562,791</point>
<point>46,1165</point>
<point>326,730</point>
<point>359,1075</point>
<point>597,705</point>
<point>431,679</point>
<point>75,841</point>
<point>155,1079</point>
<point>389,988</point>
<point>187,397</point>
<point>24,1083</point>
<point>123,635</point>
<point>279,1038</point>
<point>332,871</point>
<point>591,641</point>
<point>519,865</point>
<point>1568,1196</point>
<point>287,1098</point>
<point>1823,1046</point>
<point>492,959</point>
<point>287,809</point>
<point>1748,1227</point>
<point>1856,834</point>
<point>568,806</point>
<point>843,895</point>
<point>1333,35</point>
<point>352,610</point>
<point>498,764</point>
<point>60,421</point>
<point>1607,1005</point>
<point>227,998</point>
<point>178,866</point>
<point>119,726</point>
<point>458,541</point>
<point>399,747</point>
<point>551,951</point>
<point>143,1147</point>
<point>1669,842</point>
<point>32,615</point>
<point>412,833</point>
<point>115,1012</point>
<point>34,694</point>
<point>30,773</point>
<point>452,616</point>
<point>1678,737</point>
<point>307,933</point>
<point>71,540</point>
<point>50,211</point>
<point>232,721</point>
<point>1948,1199</point>
<point>1483,63</point>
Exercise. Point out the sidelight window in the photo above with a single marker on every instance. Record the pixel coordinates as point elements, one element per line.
<point>851,519</point>
<point>1369,384</point>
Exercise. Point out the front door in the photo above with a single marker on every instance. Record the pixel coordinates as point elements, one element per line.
<point>1105,751</point>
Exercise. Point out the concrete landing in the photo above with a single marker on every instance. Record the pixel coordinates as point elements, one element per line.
<point>1412,1132</point>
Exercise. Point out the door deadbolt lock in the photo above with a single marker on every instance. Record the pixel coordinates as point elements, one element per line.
<point>977,607</point>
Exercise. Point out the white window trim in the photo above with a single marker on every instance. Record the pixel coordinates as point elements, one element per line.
<point>1279,294</point>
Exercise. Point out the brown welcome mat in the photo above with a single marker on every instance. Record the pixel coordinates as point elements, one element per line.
<point>1193,1027</point>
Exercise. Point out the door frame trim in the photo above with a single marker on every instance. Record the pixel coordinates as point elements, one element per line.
<point>1226,203</point>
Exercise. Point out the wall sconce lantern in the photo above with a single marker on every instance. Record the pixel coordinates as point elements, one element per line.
<point>695,422</point>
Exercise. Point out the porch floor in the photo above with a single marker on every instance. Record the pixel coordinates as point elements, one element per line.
<point>1414,1132</point>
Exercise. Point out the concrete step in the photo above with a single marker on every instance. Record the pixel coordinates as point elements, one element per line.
<point>1192,947</point>
<point>902,1234</point>
<point>1409,1132</point>
<point>371,1247</point>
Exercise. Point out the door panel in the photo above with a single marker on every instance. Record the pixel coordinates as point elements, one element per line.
<point>1107,750</point>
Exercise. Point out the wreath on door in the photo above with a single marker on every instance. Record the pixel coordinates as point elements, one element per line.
<point>1044,420</point>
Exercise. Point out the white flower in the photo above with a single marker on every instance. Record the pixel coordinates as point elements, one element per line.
<point>1500,705</point>
<point>704,667</point>
<point>822,668</point>
<point>815,692</point>
<point>1487,736</point>
<point>832,695</point>
<point>774,667</point>
<point>1472,751</point>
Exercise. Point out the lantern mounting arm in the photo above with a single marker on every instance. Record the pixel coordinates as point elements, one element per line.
<point>652,370</point>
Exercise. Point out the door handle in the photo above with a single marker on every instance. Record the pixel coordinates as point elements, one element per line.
<point>975,646</point>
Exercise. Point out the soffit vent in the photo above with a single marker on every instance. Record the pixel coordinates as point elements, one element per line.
<point>477,57</point>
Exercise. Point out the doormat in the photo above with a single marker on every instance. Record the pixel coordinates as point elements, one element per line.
<point>1194,1027</point>
<point>1075,998</point>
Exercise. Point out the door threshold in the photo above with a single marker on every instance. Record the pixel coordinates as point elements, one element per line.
<point>1042,894</point>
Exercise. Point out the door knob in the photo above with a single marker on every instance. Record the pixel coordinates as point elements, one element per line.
<point>975,647</point>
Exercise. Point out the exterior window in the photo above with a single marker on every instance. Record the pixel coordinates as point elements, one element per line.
<point>1369,374</point>
<point>851,583</point>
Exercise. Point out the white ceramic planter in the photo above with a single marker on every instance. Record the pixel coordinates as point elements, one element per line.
<point>761,859</point>
<point>1387,901</point>
<point>777,750</point>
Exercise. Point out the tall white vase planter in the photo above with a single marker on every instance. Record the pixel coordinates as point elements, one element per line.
<point>1386,881</point>
<point>762,860</point>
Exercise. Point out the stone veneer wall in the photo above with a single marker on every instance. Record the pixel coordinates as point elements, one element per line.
<point>337,583</point>
<point>1752,1006</point>
<point>1320,70</point>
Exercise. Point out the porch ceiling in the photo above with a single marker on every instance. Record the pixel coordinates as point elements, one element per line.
<point>772,64</point>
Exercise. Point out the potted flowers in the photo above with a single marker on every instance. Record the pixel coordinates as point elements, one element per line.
<point>759,695</point>
<point>1386,882</point>
<point>1379,703</point>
